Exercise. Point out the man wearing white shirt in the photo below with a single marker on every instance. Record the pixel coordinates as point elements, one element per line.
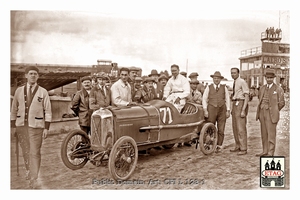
<point>121,90</point>
<point>216,106</point>
<point>176,89</point>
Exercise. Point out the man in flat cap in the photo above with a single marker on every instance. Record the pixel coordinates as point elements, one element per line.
<point>146,93</point>
<point>216,106</point>
<point>271,101</point>
<point>200,86</point>
<point>30,120</point>
<point>240,98</point>
<point>100,96</point>
<point>80,104</point>
<point>177,88</point>
<point>195,95</point>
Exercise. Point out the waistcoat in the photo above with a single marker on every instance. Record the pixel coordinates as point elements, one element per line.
<point>216,98</point>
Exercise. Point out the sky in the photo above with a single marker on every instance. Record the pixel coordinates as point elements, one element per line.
<point>202,41</point>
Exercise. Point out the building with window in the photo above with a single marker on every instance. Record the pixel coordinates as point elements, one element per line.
<point>271,54</point>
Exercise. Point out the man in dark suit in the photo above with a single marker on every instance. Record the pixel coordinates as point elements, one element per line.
<point>80,104</point>
<point>271,101</point>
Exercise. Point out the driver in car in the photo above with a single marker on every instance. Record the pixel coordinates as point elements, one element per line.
<point>177,88</point>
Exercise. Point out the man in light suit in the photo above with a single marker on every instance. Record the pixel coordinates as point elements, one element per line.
<point>271,101</point>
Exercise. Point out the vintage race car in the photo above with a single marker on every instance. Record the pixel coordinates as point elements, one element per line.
<point>118,134</point>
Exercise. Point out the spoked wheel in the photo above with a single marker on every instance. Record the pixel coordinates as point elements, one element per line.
<point>123,158</point>
<point>74,148</point>
<point>208,138</point>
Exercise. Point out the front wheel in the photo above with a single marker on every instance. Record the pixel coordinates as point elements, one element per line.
<point>73,149</point>
<point>208,138</point>
<point>123,158</point>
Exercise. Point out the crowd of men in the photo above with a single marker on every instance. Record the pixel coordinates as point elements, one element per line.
<point>31,109</point>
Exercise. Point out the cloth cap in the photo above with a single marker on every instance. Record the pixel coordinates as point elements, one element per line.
<point>86,78</point>
<point>193,74</point>
<point>31,68</point>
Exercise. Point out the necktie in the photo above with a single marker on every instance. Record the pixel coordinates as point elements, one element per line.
<point>193,93</point>
<point>103,89</point>
<point>217,88</point>
<point>29,95</point>
<point>233,88</point>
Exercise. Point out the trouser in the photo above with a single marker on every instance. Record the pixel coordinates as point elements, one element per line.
<point>218,115</point>
<point>31,142</point>
<point>172,97</point>
<point>239,125</point>
<point>268,132</point>
<point>86,129</point>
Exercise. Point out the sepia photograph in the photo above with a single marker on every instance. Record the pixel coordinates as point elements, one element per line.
<point>164,96</point>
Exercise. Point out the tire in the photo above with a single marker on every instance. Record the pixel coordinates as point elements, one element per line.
<point>168,146</point>
<point>208,138</point>
<point>75,139</point>
<point>123,158</point>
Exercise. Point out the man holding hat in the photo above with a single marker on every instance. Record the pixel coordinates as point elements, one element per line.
<point>216,106</point>
<point>30,120</point>
<point>200,86</point>
<point>100,94</point>
<point>271,101</point>
<point>80,104</point>
<point>195,95</point>
<point>240,98</point>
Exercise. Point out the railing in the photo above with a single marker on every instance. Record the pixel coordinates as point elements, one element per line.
<point>252,51</point>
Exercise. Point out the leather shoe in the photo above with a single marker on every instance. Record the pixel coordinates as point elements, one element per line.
<point>242,152</point>
<point>261,154</point>
<point>235,150</point>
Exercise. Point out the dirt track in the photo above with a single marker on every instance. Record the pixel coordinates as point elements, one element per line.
<point>186,167</point>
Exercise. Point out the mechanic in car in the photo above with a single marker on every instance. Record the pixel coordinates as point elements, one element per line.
<point>195,96</point>
<point>121,90</point>
<point>100,94</point>
<point>146,93</point>
<point>177,88</point>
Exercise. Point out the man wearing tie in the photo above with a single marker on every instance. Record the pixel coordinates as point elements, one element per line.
<point>30,119</point>
<point>100,95</point>
<point>216,106</point>
<point>271,101</point>
<point>240,98</point>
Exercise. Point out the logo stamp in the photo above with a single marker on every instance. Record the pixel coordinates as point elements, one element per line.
<point>272,171</point>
